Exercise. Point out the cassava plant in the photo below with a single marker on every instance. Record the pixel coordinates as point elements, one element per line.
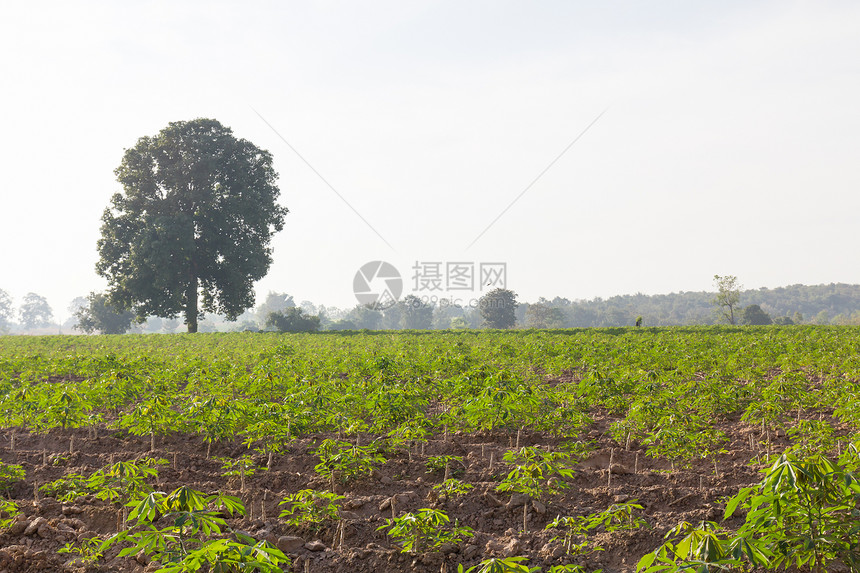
<point>312,509</point>
<point>124,482</point>
<point>620,516</point>
<point>406,435</point>
<point>67,488</point>
<point>68,409</point>
<point>8,512</point>
<point>241,467</point>
<point>270,431</point>
<point>802,515</point>
<point>452,487</point>
<point>9,475</point>
<point>536,474</point>
<point>196,536</point>
<point>424,530</point>
<point>345,461</point>
<point>152,417</point>
<point>450,465</point>
<point>87,549</point>
<point>500,565</point>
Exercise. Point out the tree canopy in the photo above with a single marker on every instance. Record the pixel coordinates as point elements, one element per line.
<point>543,316</point>
<point>417,314</point>
<point>194,221</point>
<point>292,319</point>
<point>96,315</point>
<point>498,308</point>
<point>6,310</point>
<point>275,302</point>
<point>35,311</point>
<point>728,296</point>
<point>753,314</point>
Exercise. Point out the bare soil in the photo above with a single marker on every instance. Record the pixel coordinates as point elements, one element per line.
<point>690,494</point>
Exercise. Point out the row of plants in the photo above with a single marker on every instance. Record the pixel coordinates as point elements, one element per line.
<point>666,389</point>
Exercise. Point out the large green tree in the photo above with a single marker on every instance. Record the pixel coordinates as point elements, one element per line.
<point>193,224</point>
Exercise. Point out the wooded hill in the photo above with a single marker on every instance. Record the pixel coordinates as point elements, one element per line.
<point>820,304</point>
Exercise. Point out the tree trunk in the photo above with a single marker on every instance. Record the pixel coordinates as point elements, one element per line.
<point>191,304</point>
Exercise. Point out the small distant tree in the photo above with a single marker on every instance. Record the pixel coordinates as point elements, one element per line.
<point>498,308</point>
<point>444,312</point>
<point>783,321</point>
<point>754,315</point>
<point>275,302</point>
<point>35,311</point>
<point>6,311</point>
<point>416,313</point>
<point>77,304</point>
<point>392,317</point>
<point>365,317</point>
<point>292,319</point>
<point>728,296</point>
<point>98,316</point>
<point>823,317</point>
<point>342,324</point>
<point>544,316</point>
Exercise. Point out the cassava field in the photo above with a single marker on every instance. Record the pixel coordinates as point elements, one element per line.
<point>579,450</point>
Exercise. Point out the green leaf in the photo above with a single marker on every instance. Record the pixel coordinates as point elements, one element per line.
<point>738,499</point>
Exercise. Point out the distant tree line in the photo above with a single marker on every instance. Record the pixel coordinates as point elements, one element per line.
<point>837,304</point>
<point>795,304</point>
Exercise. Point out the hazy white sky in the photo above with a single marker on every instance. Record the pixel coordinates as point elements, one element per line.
<point>730,144</point>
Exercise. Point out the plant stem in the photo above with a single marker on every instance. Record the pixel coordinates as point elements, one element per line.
<point>526,516</point>
<point>609,469</point>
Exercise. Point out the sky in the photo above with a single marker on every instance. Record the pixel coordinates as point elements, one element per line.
<point>713,137</point>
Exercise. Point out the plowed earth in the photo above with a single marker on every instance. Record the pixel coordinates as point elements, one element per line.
<point>690,494</point>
